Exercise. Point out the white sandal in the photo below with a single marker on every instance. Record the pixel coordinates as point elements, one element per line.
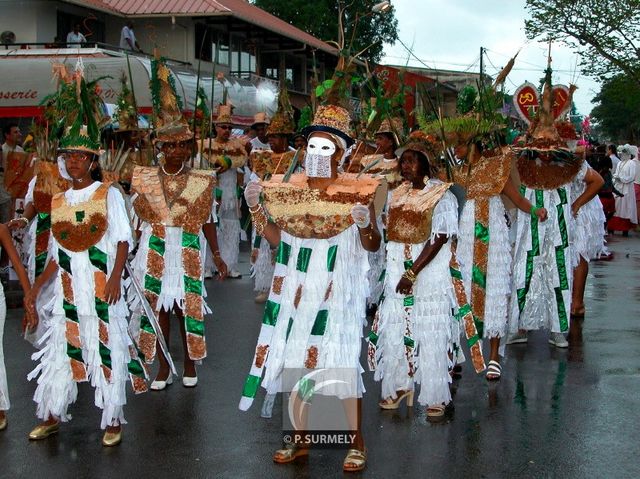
<point>494,371</point>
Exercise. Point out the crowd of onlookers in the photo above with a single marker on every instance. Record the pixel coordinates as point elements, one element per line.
<point>619,166</point>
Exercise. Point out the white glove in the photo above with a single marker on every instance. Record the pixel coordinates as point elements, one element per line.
<point>252,193</point>
<point>361,216</point>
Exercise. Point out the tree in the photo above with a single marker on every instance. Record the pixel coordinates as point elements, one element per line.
<point>610,29</point>
<point>617,107</point>
<point>320,19</point>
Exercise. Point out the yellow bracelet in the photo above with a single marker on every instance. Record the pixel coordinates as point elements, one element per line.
<point>409,275</point>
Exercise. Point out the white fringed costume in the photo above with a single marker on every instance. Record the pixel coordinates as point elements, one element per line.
<point>588,228</point>
<point>83,343</point>
<point>41,187</point>
<point>483,249</point>
<point>169,264</point>
<point>317,303</point>
<point>542,272</point>
<point>413,348</point>
<point>263,266</point>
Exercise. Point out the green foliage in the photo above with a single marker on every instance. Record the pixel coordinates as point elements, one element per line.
<point>466,99</point>
<point>617,107</point>
<point>609,30</point>
<point>320,19</point>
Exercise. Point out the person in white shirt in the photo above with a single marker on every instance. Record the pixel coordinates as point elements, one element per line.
<point>75,39</point>
<point>128,38</point>
<point>612,152</point>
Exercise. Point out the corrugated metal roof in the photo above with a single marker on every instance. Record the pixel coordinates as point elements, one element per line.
<point>240,9</point>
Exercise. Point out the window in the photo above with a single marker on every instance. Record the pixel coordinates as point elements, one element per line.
<point>223,49</point>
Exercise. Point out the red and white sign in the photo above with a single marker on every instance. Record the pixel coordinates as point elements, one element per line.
<point>527,100</point>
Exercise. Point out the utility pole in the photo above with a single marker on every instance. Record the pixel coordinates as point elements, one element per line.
<point>481,67</point>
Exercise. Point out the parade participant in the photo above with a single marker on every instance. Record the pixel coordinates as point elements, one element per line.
<point>7,244</point>
<point>175,208</point>
<point>86,339</point>
<point>323,228</point>
<point>299,141</point>
<point>259,126</point>
<point>588,231</point>
<point>383,163</point>
<point>542,271</point>
<point>265,163</point>
<point>227,155</point>
<point>50,179</point>
<point>623,177</point>
<point>128,139</point>
<point>416,312</point>
<point>484,250</point>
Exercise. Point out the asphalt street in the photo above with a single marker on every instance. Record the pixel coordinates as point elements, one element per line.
<point>568,413</point>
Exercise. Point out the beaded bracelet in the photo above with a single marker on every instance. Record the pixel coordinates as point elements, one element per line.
<point>409,275</point>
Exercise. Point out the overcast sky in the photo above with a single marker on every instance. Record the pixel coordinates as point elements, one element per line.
<point>448,34</point>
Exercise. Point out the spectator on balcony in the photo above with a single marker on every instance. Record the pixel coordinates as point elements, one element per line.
<point>75,39</point>
<point>128,38</point>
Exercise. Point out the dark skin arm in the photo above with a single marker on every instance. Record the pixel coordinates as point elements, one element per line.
<point>210,233</point>
<point>594,182</point>
<point>112,290</point>
<point>370,236</point>
<point>14,257</point>
<point>521,202</point>
<point>16,223</point>
<point>430,250</point>
<point>31,320</point>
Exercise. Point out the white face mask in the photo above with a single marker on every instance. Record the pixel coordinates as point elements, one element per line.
<point>318,156</point>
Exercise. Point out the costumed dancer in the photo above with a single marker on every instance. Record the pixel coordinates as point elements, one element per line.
<point>90,238</point>
<point>6,243</point>
<point>128,147</point>
<point>228,156</point>
<point>50,179</point>
<point>483,249</point>
<point>410,339</point>
<point>588,229</point>
<point>175,210</point>
<point>543,254</point>
<point>316,308</point>
<point>623,177</point>
<point>385,164</point>
<point>264,164</point>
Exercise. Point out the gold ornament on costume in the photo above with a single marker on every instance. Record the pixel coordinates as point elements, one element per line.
<point>78,227</point>
<point>311,213</point>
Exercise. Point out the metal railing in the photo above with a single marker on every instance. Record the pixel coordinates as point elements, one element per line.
<point>82,46</point>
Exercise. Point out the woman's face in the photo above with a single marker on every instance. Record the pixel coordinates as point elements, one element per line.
<point>411,166</point>
<point>78,164</point>
<point>176,152</point>
<point>384,143</point>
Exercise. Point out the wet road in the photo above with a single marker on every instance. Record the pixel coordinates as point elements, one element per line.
<point>555,413</point>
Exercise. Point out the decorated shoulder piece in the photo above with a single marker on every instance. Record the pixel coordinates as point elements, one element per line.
<point>81,226</point>
<point>184,200</point>
<point>309,213</point>
<point>231,154</point>
<point>486,176</point>
<point>48,183</point>
<point>411,212</point>
<point>267,163</point>
<point>378,165</point>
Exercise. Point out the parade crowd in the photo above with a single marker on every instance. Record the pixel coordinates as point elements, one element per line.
<point>431,244</point>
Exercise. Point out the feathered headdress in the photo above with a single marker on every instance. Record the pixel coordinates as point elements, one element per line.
<point>282,122</point>
<point>169,123</point>
<point>80,110</point>
<point>126,114</point>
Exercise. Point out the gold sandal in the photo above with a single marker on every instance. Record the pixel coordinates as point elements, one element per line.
<point>390,403</point>
<point>355,461</point>
<point>289,454</point>
<point>435,412</point>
